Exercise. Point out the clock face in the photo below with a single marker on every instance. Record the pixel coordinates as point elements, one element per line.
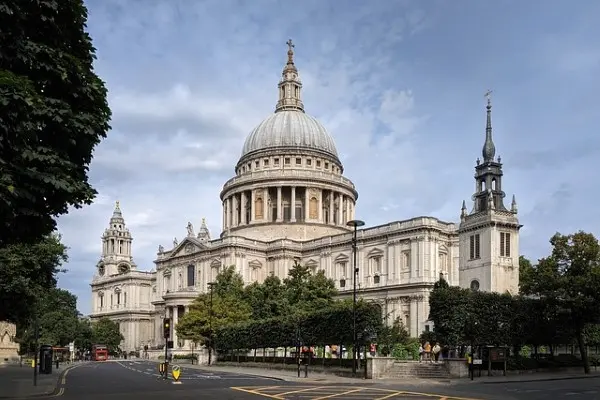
<point>474,285</point>
<point>101,270</point>
<point>123,268</point>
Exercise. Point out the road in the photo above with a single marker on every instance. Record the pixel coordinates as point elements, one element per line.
<point>117,380</point>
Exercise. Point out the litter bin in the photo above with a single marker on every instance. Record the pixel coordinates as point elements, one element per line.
<point>45,362</point>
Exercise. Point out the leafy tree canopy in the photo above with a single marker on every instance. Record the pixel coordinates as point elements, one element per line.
<point>54,112</point>
<point>27,273</point>
<point>308,291</point>
<point>106,332</point>
<point>58,320</point>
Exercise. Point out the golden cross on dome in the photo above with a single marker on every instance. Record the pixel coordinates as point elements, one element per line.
<point>117,204</point>
<point>290,44</point>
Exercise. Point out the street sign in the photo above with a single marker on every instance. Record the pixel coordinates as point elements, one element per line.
<point>176,372</point>
<point>477,362</point>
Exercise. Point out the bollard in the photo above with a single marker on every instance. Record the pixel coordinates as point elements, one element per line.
<point>306,369</point>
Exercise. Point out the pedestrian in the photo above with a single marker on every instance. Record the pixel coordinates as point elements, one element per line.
<point>421,351</point>
<point>436,352</point>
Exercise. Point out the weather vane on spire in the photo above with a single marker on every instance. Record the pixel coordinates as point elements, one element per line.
<point>488,96</point>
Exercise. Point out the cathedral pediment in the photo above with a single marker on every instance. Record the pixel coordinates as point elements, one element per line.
<point>189,245</point>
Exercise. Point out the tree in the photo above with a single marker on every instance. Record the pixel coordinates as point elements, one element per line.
<point>106,332</point>
<point>84,337</point>
<point>306,291</point>
<point>569,278</point>
<point>58,320</point>
<point>267,299</point>
<point>392,335</point>
<point>28,272</point>
<point>526,274</point>
<point>54,113</point>
<point>228,307</point>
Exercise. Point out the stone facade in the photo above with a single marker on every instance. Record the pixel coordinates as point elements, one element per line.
<point>9,349</point>
<point>288,202</point>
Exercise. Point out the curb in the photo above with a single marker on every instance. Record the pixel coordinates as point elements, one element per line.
<point>565,378</point>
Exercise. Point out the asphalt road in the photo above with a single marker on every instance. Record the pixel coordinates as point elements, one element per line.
<point>574,389</point>
<point>125,379</point>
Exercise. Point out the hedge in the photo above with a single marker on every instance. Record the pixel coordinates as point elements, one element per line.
<point>331,325</point>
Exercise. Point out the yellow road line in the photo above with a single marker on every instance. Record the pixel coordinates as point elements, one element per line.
<point>389,396</point>
<point>442,396</point>
<point>301,390</point>
<point>339,394</point>
<point>256,393</point>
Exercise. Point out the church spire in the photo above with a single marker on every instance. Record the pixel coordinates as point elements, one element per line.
<point>489,150</point>
<point>289,85</point>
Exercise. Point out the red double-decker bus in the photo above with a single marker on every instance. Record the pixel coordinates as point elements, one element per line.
<point>99,352</point>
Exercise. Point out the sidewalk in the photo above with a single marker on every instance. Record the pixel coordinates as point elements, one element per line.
<point>17,381</point>
<point>530,377</point>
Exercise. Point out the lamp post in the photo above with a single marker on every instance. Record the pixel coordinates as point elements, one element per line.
<point>210,317</point>
<point>355,223</point>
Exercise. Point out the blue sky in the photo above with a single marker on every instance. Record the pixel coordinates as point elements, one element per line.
<point>399,85</point>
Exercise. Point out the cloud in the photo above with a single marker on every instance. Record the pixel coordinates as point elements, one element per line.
<point>398,84</point>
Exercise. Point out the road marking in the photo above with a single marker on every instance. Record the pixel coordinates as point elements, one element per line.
<point>389,396</point>
<point>301,390</point>
<point>338,394</point>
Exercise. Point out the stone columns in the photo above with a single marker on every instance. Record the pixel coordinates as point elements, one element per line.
<point>175,321</point>
<point>331,207</point>
<point>320,211</point>
<point>224,214</point>
<point>228,212</point>
<point>293,205</point>
<point>243,208</point>
<point>306,205</point>
<point>234,211</point>
<point>340,209</point>
<point>279,205</point>
<point>266,204</point>
<point>252,200</point>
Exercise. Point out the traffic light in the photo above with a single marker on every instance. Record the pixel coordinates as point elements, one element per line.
<point>167,328</point>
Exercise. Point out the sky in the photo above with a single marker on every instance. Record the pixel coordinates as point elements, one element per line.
<point>399,85</point>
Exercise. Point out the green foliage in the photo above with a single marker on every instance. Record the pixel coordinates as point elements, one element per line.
<point>558,303</point>
<point>226,302</point>
<point>526,275</point>
<point>28,271</point>
<point>58,320</point>
<point>54,113</point>
<point>406,351</point>
<point>84,337</point>
<point>389,336</point>
<point>268,299</point>
<point>331,325</point>
<point>300,293</point>
<point>306,291</point>
<point>106,332</point>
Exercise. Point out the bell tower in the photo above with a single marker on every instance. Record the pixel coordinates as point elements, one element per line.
<point>489,233</point>
<point>116,247</point>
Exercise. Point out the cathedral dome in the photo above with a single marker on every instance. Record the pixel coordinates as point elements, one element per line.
<point>290,129</point>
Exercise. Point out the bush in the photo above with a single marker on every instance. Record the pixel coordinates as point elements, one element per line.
<point>331,325</point>
<point>185,357</point>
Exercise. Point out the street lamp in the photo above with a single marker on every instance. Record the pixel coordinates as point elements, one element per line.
<point>355,223</point>
<point>210,317</point>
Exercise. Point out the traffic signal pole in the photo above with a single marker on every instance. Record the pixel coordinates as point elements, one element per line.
<point>167,335</point>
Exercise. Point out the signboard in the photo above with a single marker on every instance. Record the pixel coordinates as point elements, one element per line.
<point>176,372</point>
<point>477,362</point>
<point>497,355</point>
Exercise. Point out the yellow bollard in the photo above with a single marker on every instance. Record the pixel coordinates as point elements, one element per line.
<point>33,363</point>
